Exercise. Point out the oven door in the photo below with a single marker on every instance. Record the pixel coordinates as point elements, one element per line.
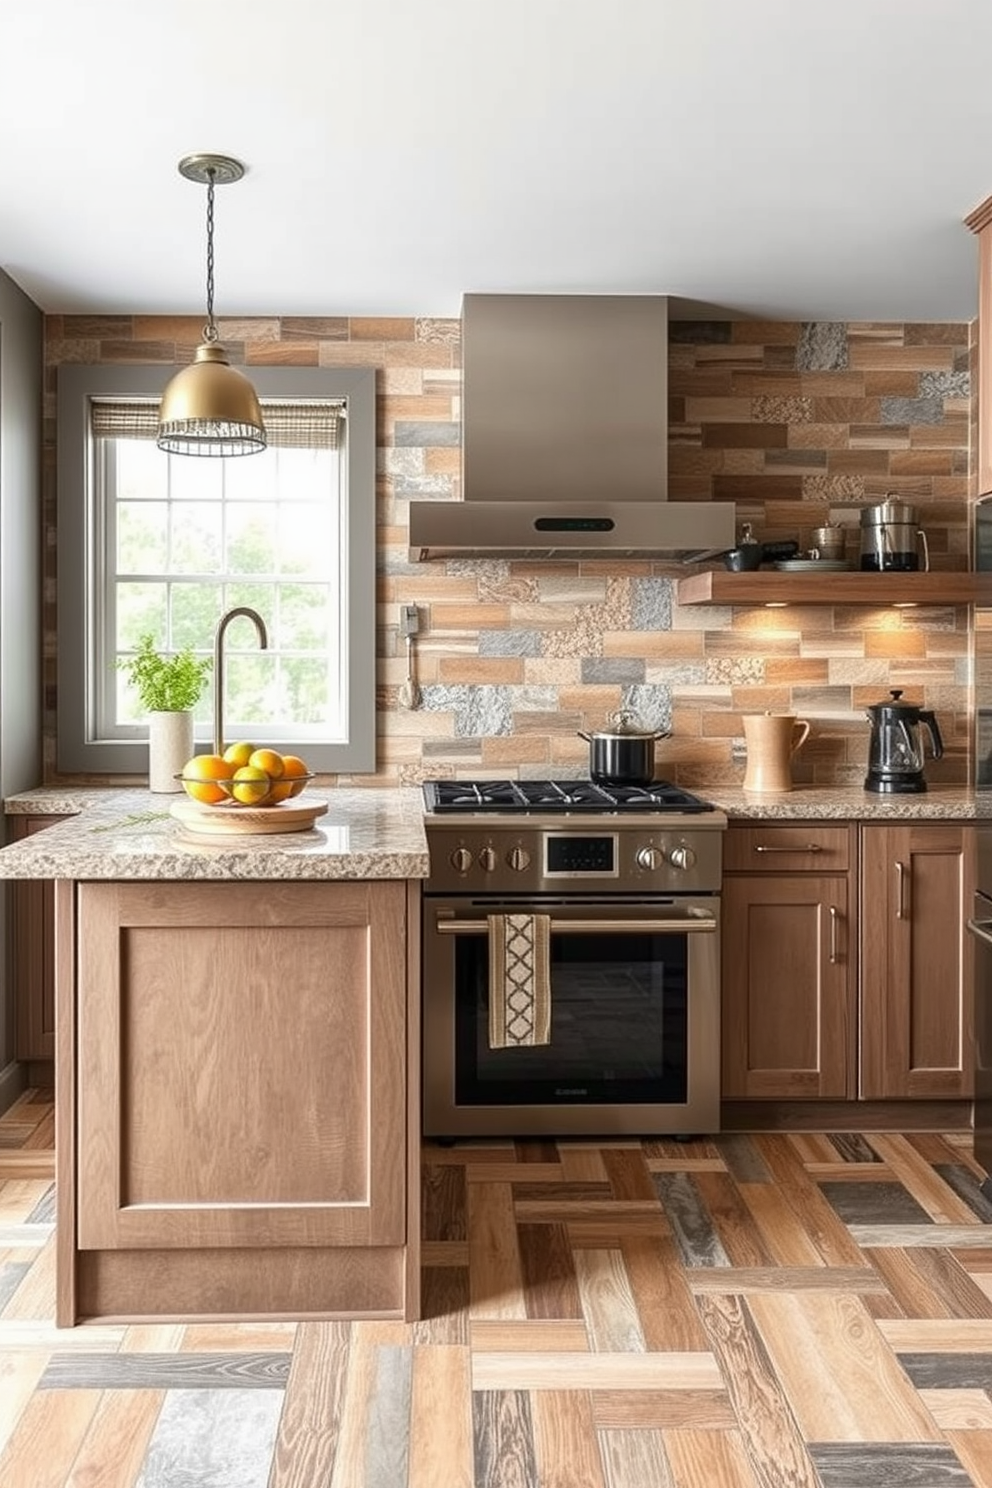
<point>634,1042</point>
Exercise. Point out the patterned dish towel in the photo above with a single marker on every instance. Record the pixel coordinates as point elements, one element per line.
<point>519,980</point>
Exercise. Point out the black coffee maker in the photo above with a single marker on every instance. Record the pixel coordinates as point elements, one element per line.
<point>895,751</point>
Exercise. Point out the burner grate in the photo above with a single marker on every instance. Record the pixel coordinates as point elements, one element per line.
<point>521,796</point>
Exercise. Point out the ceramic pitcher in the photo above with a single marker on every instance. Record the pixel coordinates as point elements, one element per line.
<point>772,739</point>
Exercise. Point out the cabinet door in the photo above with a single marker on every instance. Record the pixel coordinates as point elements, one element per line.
<point>31,910</point>
<point>787,987</point>
<point>917,963</point>
<point>241,1064</point>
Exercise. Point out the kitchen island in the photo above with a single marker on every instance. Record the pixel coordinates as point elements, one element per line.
<point>237,1065</point>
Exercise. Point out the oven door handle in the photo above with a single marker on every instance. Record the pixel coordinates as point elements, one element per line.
<point>701,924</point>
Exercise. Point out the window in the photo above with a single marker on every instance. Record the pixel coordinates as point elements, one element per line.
<point>158,544</point>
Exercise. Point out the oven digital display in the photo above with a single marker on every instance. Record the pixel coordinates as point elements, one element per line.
<point>572,854</point>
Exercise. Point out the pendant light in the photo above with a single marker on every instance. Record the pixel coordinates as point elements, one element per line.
<point>210,408</point>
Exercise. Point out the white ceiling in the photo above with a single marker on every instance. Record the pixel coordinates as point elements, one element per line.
<point>773,157</point>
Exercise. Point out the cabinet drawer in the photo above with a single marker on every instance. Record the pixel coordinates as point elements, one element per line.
<point>794,848</point>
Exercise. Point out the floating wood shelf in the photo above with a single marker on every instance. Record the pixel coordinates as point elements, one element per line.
<point>771,587</point>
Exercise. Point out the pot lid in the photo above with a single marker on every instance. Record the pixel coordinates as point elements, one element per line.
<point>625,726</point>
<point>891,511</point>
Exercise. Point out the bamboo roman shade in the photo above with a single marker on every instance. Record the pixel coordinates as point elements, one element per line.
<point>298,425</point>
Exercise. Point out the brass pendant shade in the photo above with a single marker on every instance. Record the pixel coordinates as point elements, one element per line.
<point>210,408</point>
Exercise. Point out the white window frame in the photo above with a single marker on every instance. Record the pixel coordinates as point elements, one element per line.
<point>80,676</point>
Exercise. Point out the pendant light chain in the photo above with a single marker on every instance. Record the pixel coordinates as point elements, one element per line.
<point>209,407</point>
<point>210,329</point>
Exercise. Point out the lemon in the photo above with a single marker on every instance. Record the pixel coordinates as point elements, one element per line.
<point>250,785</point>
<point>239,754</point>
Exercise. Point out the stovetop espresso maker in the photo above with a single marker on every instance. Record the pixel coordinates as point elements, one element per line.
<point>895,751</point>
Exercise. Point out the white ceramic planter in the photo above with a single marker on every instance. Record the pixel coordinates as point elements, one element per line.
<point>170,745</point>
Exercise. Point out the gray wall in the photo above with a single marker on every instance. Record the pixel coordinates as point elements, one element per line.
<point>21,394</point>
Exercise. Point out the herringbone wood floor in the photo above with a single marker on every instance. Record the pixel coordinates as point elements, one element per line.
<point>753,1311</point>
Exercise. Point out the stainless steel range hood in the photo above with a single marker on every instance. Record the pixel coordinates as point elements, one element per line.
<point>565,436</point>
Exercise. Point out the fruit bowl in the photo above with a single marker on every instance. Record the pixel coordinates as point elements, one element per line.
<point>236,794</point>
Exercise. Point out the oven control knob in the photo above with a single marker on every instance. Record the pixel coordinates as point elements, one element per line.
<point>650,858</point>
<point>518,859</point>
<point>487,859</point>
<point>682,857</point>
<point>461,859</point>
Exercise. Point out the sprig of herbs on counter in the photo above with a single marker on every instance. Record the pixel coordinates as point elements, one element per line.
<point>136,819</point>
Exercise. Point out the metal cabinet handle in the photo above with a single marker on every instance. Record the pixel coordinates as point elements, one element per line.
<point>705,926</point>
<point>900,891</point>
<point>981,929</point>
<point>811,847</point>
<point>833,934</point>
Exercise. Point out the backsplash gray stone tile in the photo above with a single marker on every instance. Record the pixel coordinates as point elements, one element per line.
<point>432,435</point>
<point>911,411</point>
<point>651,604</point>
<point>483,710</point>
<point>612,669</point>
<point>822,346</point>
<point>509,643</point>
<point>945,385</point>
<point>651,702</point>
<point>423,487</point>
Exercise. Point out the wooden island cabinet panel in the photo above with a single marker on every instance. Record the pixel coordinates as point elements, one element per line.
<point>32,918</point>
<point>788,964</point>
<point>917,1033</point>
<point>244,1098</point>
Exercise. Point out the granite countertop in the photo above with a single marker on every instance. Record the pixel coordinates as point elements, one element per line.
<point>851,803</point>
<point>112,833</point>
<point>130,834</point>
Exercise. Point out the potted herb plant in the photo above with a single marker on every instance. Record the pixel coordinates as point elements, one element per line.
<point>168,687</point>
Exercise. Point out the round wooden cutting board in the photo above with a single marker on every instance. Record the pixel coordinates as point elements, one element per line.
<point>296,815</point>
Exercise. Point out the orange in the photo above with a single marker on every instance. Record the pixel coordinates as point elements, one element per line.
<point>291,783</point>
<point>239,754</point>
<point>250,785</point>
<point>295,768</point>
<point>199,775</point>
<point>269,760</point>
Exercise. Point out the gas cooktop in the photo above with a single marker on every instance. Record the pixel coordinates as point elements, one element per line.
<point>448,797</point>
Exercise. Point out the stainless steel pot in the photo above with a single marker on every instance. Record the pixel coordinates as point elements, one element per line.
<point>623,755</point>
<point>891,538</point>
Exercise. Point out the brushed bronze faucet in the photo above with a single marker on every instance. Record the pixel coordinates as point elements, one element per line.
<point>263,641</point>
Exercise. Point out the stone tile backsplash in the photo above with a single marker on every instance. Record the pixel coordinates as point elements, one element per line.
<point>799,424</point>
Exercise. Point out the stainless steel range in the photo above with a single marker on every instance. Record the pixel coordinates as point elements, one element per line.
<point>625,881</point>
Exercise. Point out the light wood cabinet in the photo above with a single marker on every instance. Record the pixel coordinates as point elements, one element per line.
<point>917,882</point>
<point>846,969</point>
<point>245,1099</point>
<point>788,953</point>
<point>31,918</point>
